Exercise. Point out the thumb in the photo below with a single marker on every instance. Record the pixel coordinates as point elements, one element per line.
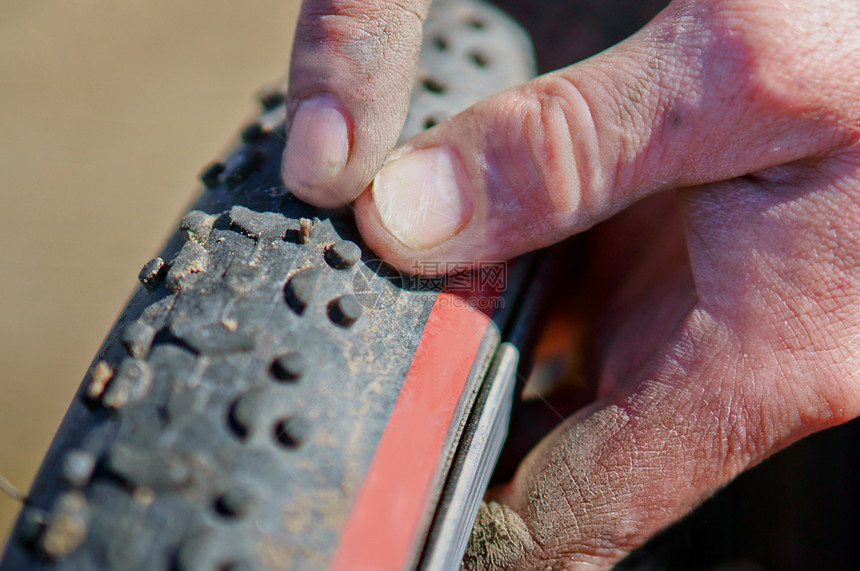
<point>699,95</point>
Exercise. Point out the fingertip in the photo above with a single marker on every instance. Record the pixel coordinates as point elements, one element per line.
<point>417,207</point>
<point>351,71</point>
<point>378,239</point>
<point>318,151</point>
<point>423,198</point>
<point>322,196</point>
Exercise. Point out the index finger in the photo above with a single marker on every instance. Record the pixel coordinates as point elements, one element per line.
<point>350,79</point>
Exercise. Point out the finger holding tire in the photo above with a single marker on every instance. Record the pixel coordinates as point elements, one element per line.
<point>350,79</point>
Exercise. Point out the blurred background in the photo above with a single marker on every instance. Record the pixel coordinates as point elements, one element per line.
<point>108,110</point>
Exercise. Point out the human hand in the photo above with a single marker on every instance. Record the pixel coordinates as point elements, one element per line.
<point>351,75</point>
<point>729,325</point>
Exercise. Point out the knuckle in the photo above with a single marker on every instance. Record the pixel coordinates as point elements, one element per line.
<point>339,24</point>
<point>362,49</point>
<point>340,36</point>
<point>563,136</point>
<point>795,67</point>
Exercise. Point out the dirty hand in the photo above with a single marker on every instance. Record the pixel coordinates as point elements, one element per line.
<point>733,328</point>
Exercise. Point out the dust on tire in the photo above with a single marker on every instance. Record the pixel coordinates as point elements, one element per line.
<point>372,293</point>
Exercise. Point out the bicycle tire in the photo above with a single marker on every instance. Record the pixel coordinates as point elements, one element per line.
<point>255,402</point>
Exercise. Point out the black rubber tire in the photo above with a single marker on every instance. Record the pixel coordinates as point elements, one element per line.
<point>229,417</point>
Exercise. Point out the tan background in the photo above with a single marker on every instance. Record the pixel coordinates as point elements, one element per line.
<point>108,110</point>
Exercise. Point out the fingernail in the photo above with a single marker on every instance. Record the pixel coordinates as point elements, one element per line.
<point>424,198</point>
<point>318,146</point>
